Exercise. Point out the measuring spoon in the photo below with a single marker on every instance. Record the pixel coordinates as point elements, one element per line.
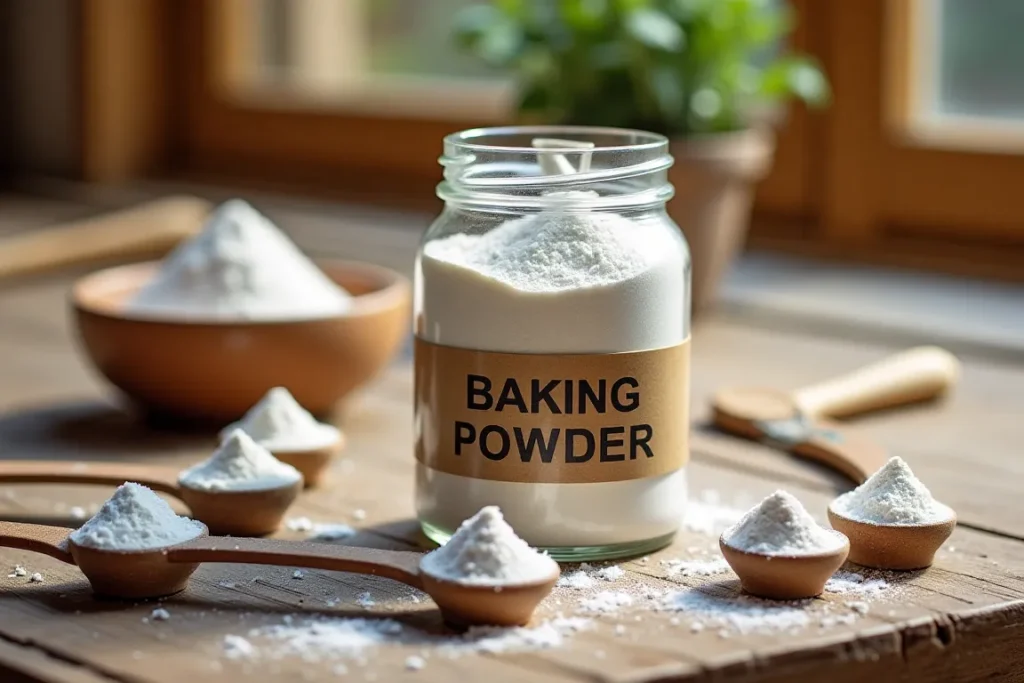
<point>225,512</point>
<point>165,571</point>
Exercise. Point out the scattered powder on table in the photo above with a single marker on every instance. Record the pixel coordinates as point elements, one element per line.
<point>485,551</point>
<point>611,573</point>
<point>319,531</point>
<point>135,518</point>
<point>779,525</point>
<point>77,512</point>
<point>577,580</point>
<point>415,663</point>
<point>279,423</point>
<point>702,567</point>
<point>17,572</point>
<point>239,464</point>
<point>36,578</point>
<point>240,267</point>
<point>856,584</point>
<point>892,495</point>
<point>607,601</point>
<point>237,647</point>
<point>160,614</point>
<point>365,600</point>
<point>707,515</point>
<point>741,613</point>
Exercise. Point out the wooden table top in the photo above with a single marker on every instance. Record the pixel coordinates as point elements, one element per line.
<point>961,620</point>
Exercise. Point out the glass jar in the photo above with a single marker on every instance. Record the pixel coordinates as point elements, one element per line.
<point>552,302</point>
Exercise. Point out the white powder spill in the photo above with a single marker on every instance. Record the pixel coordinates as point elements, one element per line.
<point>17,572</point>
<point>701,567</point>
<point>298,574</point>
<point>587,576</point>
<point>240,267</point>
<point>577,580</point>
<point>299,524</point>
<point>365,600</point>
<point>851,583</point>
<point>610,573</point>
<point>354,639</point>
<point>892,495</point>
<point>77,512</point>
<point>415,663</point>
<point>239,464</point>
<point>320,531</point>
<point>779,525</point>
<point>279,423</point>
<point>740,613</point>
<point>705,514</point>
<point>160,614</point>
<point>36,578</point>
<point>486,551</point>
<point>607,601</point>
<point>135,518</point>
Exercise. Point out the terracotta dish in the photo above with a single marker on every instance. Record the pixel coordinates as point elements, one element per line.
<point>888,546</point>
<point>784,577</point>
<point>216,371</point>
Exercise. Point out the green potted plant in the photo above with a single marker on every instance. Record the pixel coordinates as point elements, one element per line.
<point>705,73</point>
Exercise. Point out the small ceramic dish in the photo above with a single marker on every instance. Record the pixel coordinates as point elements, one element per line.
<point>784,577</point>
<point>213,371</point>
<point>890,546</point>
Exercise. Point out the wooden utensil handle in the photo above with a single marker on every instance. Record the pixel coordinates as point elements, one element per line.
<point>164,479</point>
<point>147,230</point>
<point>399,565</point>
<point>36,538</point>
<point>918,374</point>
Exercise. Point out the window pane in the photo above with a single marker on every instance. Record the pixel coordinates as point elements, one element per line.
<point>981,55</point>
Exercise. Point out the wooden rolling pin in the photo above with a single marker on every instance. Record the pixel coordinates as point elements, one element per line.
<point>144,231</point>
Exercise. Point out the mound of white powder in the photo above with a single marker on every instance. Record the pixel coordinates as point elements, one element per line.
<point>779,525</point>
<point>892,495</point>
<point>553,251</point>
<point>240,464</point>
<point>485,551</point>
<point>135,518</point>
<point>279,423</point>
<point>240,267</point>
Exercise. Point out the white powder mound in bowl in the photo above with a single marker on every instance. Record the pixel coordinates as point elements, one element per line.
<point>240,267</point>
<point>779,525</point>
<point>135,518</point>
<point>485,551</point>
<point>892,496</point>
<point>279,423</point>
<point>240,464</point>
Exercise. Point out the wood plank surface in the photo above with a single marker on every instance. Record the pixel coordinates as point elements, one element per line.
<point>962,620</point>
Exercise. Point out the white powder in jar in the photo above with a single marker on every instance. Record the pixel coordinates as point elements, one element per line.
<point>240,464</point>
<point>892,496</point>
<point>779,525</point>
<point>135,518</point>
<point>239,267</point>
<point>485,551</point>
<point>279,423</point>
<point>563,281</point>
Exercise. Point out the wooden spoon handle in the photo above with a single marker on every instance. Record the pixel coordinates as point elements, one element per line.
<point>399,565</point>
<point>36,538</point>
<point>164,479</point>
<point>147,230</point>
<point>918,374</point>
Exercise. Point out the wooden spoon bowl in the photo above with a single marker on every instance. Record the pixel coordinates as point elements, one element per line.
<point>899,547</point>
<point>214,371</point>
<point>131,574</point>
<point>463,605</point>
<point>241,513</point>
<point>784,577</point>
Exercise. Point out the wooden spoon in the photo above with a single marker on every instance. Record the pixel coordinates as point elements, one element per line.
<point>784,577</point>
<point>794,422</point>
<point>139,574</point>
<point>233,513</point>
<point>144,231</point>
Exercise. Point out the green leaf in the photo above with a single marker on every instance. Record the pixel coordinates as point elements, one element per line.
<point>655,29</point>
<point>796,76</point>
<point>667,87</point>
<point>501,43</point>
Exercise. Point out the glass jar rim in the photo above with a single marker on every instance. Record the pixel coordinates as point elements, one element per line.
<point>466,139</point>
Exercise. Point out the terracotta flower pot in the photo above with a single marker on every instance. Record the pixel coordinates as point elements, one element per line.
<point>714,177</point>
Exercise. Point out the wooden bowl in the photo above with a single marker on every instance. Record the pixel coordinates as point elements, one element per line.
<point>216,371</point>
<point>463,606</point>
<point>241,513</point>
<point>900,547</point>
<point>784,577</point>
<point>313,462</point>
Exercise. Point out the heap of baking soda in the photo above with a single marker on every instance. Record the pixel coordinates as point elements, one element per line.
<point>240,464</point>
<point>240,267</point>
<point>279,423</point>
<point>485,551</point>
<point>779,525</point>
<point>894,496</point>
<point>135,518</point>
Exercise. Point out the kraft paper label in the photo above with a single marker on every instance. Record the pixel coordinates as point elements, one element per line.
<point>556,418</point>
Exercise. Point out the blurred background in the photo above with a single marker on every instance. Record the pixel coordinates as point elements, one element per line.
<point>893,173</point>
